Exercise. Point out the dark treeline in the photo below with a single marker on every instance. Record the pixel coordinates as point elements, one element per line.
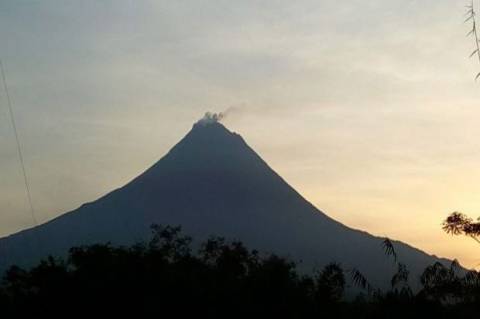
<point>164,278</point>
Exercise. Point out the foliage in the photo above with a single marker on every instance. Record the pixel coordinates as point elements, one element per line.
<point>165,278</point>
<point>472,17</point>
<point>460,224</point>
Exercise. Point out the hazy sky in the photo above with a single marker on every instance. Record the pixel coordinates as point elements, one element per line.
<point>368,108</point>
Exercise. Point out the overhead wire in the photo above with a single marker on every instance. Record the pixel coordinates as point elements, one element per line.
<point>18,144</point>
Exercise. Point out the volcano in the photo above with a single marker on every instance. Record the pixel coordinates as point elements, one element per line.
<point>213,183</point>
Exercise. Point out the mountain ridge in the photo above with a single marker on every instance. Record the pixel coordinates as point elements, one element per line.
<point>213,183</point>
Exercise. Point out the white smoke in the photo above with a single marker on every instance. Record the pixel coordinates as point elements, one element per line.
<point>210,118</point>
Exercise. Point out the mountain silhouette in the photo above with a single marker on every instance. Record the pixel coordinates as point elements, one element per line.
<point>213,183</point>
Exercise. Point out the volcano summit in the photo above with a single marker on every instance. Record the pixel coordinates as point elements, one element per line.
<point>213,183</point>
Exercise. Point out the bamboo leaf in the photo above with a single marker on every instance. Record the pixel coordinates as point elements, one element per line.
<point>469,18</point>
<point>389,249</point>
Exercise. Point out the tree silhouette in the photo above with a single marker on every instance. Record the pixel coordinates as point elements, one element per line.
<point>330,283</point>
<point>222,279</point>
<point>460,224</point>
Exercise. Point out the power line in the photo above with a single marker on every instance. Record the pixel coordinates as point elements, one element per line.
<point>19,148</point>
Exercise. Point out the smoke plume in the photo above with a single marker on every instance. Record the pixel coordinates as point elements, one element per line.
<point>210,117</point>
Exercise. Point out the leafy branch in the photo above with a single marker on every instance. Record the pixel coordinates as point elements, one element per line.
<point>460,224</point>
<point>389,249</point>
<point>472,16</point>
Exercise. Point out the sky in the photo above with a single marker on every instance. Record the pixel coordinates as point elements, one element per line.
<point>368,108</point>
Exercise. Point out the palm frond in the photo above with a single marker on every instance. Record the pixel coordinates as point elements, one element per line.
<point>360,280</point>
<point>389,249</point>
<point>401,277</point>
